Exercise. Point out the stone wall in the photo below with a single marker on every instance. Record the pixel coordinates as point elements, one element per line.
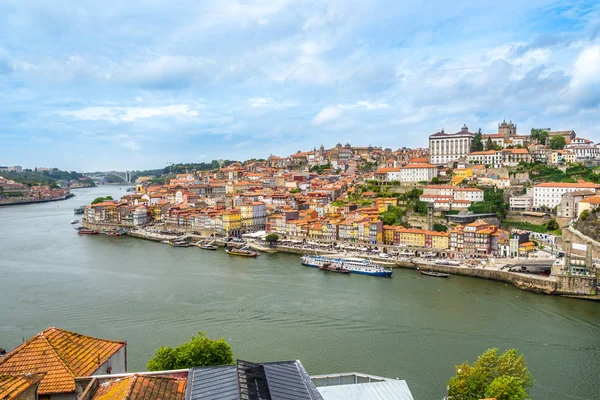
<point>519,217</point>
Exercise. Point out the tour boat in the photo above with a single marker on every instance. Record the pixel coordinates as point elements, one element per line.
<point>436,274</point>
<point>355,265</point>
<point>180,243</point>
<point>79,210</point>
<point>244,252</point>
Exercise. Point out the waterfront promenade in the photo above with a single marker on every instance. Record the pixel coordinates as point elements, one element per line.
<point>503,270</point>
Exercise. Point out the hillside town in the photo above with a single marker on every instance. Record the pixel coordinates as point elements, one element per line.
<point>439,197</point>
<point>12,192</point>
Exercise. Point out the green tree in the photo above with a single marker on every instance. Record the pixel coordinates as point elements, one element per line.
<point>198,352</point>
<point>504,377</point>
<point>440,228</point>
<point>388,218</point>
<point>435,180</point>
<point>420,207</point>
<point>539,135</point>
<point>558,142</point>
<point>477,142</point>
<point>295,190</point>
<point>272,238</point>
<point>489,145</point>
<point>552,225</point>
<point>101,199</point>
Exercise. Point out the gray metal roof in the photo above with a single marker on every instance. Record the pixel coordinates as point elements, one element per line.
<point>286,380</point>
<point>386,390</point>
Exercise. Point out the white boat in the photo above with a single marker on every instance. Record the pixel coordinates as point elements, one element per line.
<point>355,265</point>
<point>74,221</point>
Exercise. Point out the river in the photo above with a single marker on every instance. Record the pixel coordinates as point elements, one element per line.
<point>271,308</point>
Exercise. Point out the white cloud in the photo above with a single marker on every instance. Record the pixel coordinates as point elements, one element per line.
<point>326,115</point>
<point>331,113</point>
<point>267,102</point>
<point>129,114</point>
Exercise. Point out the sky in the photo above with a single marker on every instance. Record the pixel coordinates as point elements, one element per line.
<point>114,85</point>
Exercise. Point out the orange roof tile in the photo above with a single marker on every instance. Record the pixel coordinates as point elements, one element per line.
<point>418,165</point>
<point>384,170</point>
<point>11,386</point>
<point>591,185</point>
<point>139,387</point>
<point>61,355</point>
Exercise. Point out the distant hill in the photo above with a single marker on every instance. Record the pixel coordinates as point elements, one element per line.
<point>33,178</point>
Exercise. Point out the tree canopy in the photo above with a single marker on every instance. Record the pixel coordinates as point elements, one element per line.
<point>272,238</point>
<point>539,134</point>
<point>558,142</point>
<point>101,199</point>
<point>200,351</point>
<point>477,142</point>
<point>501,376</point>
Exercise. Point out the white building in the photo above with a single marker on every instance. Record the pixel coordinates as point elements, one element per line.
<point>387,174</point>
<point>549,194</point>
<point>583,149</point>
<point>418,172</point>
<point>492,158</point>
<point>449,147</point>
<point>471,194</point>
<point>521,203</point>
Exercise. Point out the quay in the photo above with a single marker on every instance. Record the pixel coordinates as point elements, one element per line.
<point>575,286</point>
<point>23,202</point>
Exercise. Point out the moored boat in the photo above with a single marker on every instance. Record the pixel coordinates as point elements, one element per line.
<point>207,246</point>
<point>79,210</point>
<point>180,243</point>
<point>433,273</point>
<point>355,265</point>
<point>336,268</point>
<point>74,221</point>
<point>244,252</point>
<point>84,231</point>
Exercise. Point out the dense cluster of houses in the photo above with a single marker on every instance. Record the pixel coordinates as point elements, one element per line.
<point>11,190</point>
<point>320,194</point>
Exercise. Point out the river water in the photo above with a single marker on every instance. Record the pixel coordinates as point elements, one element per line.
<point>271,308</point>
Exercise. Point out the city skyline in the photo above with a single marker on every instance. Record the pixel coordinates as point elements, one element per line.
<point>122,87</point>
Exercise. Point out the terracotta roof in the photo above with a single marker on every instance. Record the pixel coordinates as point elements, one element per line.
<point>418,165</point>
<point>483,153</point>
<point>516,151</point>
<point>591,200</point>
<point>139,387</point>
<point>11,386</point>
<point>384,170</point>
<point>590,185</point>
<point>61,355</point>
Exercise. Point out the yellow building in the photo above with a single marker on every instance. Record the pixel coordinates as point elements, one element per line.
<point>232,222</point>
<point>384,203</point>
<point>460,174</point>
<point>412,237</point>
<point>440,240</point>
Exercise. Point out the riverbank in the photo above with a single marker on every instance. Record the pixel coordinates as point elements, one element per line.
<point>551,285</point>
<point>22,202</point>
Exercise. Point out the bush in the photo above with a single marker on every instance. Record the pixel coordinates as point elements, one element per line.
<point>584,215</point>
<point>198,352</point>
<point>440,228</point>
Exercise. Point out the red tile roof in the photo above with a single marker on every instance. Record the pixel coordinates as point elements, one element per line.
<point>61,355</point>
<point>140,387</point>
<point>11,386</point>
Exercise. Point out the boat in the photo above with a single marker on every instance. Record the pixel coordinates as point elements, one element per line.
<point>84,231</point>
<point>433,273</point>
<point>334,267</point>
<point>207,246</point>
<point>74,221</point>
<point>244,252</point>
<point>117,232</point>
<point>180,243</point>
<point>355,265</point>
<point>79,210</point>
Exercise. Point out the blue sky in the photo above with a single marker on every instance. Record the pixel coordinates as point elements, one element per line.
<point>90,85</point>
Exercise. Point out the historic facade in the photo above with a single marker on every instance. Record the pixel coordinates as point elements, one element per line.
<point>449,147</point>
